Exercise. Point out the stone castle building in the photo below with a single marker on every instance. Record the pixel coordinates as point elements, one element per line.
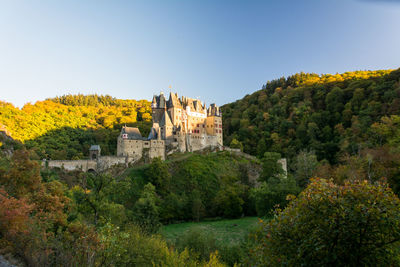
<point>179,125</point>
<point>183,124</point>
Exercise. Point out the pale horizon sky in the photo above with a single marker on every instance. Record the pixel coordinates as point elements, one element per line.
<point>218,51</point>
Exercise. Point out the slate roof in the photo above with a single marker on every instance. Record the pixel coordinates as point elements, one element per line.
<point>183,102</point>
<point>166,120</point>
<point>132,132</point>
<point>153,134</point>
<point>94,148</point>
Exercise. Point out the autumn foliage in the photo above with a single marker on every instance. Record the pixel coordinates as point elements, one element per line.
<point>355,224</point>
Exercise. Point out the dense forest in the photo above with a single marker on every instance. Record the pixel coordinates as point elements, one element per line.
<point>65,127</point>
<point>332,115</point>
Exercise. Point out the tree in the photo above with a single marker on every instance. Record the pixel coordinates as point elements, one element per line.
<point>158,175</point>
<point>23,175</point>
<point>145,211</point>
<point>355,224</point>
<point>305,164</point>
<point>272,194</point>
<point>270,166</point>
<point>230,201</point>
<point>236,144</point>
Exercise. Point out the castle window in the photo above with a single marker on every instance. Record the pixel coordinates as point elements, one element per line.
<point>198,125</point>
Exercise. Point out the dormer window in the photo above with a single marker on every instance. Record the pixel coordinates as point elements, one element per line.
<point>125,136</point>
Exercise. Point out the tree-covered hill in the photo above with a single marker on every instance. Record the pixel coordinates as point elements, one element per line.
<point>64,127</point>
<point>329,114</point>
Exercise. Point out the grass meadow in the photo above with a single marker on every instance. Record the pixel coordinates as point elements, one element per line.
<point>227,232</point>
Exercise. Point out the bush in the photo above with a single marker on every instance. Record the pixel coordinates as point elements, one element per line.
<point>198,242</point>
<point>273,194</point>
<point>355,224</point>
<point>132,247</point>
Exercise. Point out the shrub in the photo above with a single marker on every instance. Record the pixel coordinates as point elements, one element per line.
<point>132,247</point>
<point>272,194</point>
<point>355,224</point>
<point>198,242</point>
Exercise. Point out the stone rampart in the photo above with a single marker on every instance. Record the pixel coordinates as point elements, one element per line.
<point>103,163</point>
<point>71,165</point>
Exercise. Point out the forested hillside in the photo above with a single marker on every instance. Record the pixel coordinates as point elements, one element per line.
<point>332,115</point>
<point>66,126</point>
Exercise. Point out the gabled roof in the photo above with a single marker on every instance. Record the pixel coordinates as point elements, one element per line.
<point>132,132</point>
<point>174,101</point>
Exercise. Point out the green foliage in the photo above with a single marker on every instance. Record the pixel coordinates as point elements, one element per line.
<point>131,247</point>
<point>197,241</point>
<point>93,199</point>
<point>273,193</point>
<point>145,210</point>
<point>158,175</point>
<point>230,201</point>
<point>228,237</point>
<point>236,144</point>
<point>203,244</point>
<point>329,114</point>
<point>210,185</point>
<point>305,164</point>
<point>271,168</point>
<point>355,224</point>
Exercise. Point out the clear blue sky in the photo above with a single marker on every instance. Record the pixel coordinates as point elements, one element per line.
<point>216,50</point>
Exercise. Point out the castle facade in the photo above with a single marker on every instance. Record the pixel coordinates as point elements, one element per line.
<point>179,124</point>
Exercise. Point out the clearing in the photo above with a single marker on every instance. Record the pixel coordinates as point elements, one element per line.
<point>227,231</point>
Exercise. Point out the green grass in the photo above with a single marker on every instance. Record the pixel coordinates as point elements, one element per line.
<point>225,231</point>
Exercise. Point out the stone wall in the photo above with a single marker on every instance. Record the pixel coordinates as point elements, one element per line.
<point>130,148</point>
<point>101,164</point>
<point>157,149</point>
<point>71,165</point>
<point>137,148</point>
<point>106,162</point>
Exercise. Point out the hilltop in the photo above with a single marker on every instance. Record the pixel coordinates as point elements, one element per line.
<point>332,115</point>
<point>65,127</point>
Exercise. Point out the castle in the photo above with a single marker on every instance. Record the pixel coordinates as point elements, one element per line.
<point>184,124</point>
<point>179,125</point>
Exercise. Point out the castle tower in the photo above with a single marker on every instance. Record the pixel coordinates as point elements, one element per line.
<point>158,106</point>
<point>94,152</point>
<point>186,123</point>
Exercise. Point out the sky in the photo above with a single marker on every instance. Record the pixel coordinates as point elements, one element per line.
<point>214,50</point>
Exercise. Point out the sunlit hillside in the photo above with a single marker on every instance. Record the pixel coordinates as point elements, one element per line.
<point>332,115</point>
<point>65,127</point>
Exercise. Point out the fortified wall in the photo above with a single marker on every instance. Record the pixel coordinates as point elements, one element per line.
<point>94,164</point>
